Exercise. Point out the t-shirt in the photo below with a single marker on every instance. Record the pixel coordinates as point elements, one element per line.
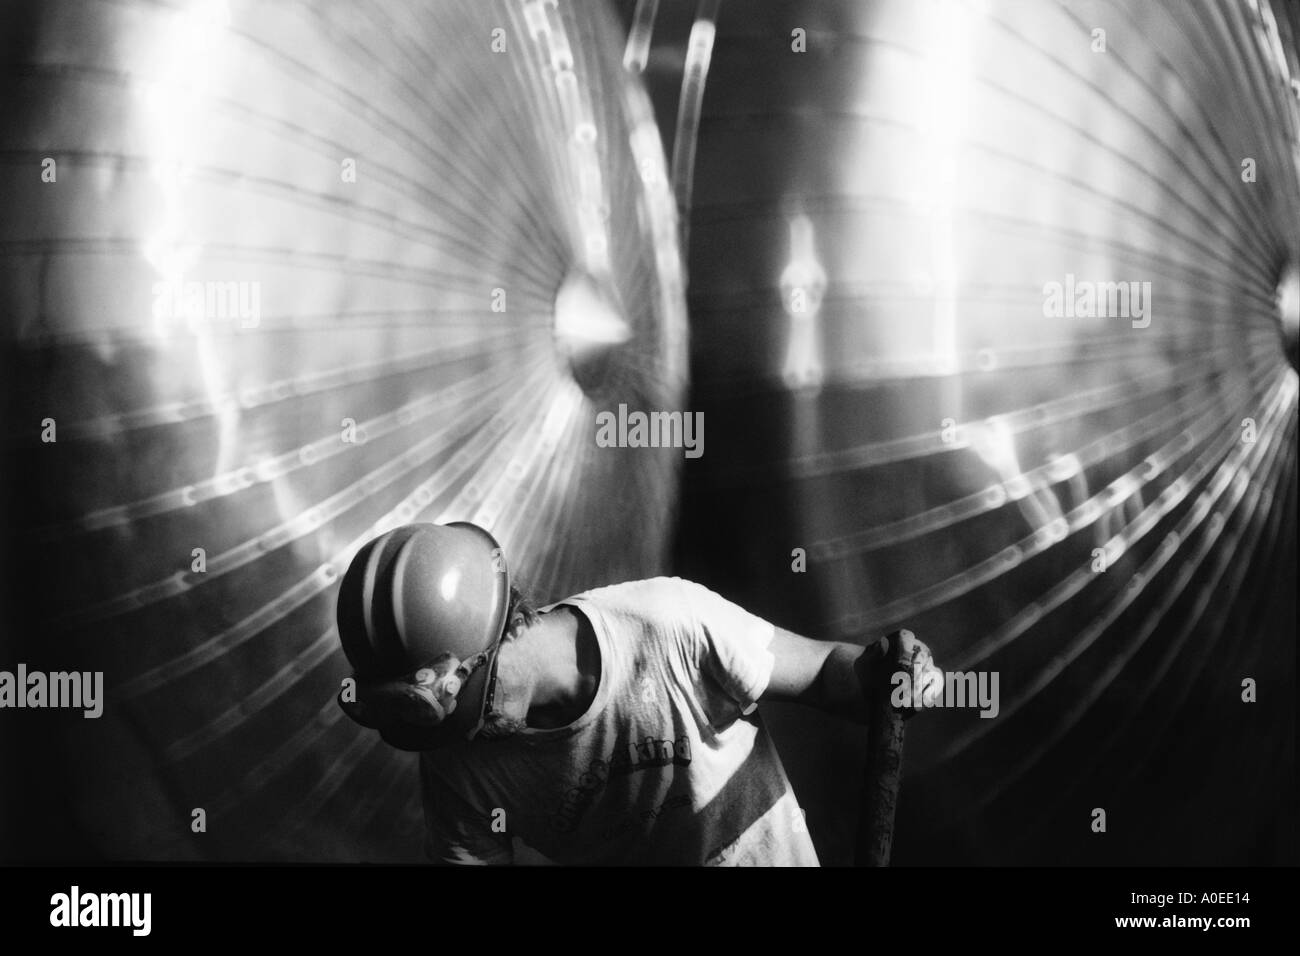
<point>670,765</point>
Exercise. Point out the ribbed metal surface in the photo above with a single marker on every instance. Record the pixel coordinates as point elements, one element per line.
<point>874,226</point>
<point>406,362</point>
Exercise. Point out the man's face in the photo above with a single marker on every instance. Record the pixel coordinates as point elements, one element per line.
<point>429,709</point>
<point>416,711</point>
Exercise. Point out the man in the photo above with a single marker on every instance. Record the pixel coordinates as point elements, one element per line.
<point>616,726</point>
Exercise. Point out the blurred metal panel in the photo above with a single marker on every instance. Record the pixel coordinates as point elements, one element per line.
<point>305,271</point>
<point>894,385</point>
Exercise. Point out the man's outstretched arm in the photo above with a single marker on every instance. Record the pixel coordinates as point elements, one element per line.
<point>838,677</point>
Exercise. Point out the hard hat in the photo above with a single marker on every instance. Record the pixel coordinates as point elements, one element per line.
<point>420,591</point>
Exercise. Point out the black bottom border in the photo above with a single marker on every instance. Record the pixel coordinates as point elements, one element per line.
<point>447,906</point>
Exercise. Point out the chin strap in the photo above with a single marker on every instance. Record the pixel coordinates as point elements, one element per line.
<point>489,657</point>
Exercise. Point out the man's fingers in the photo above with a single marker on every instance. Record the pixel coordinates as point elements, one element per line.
<point>916,661</point>
<point>931,686</point>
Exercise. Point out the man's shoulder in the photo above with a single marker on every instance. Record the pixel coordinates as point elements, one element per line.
<point>656,593</point>
<point>648,607</point>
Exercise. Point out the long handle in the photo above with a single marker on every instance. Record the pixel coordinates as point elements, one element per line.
<point>884,768</point>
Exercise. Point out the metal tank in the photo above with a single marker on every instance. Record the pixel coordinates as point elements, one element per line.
<point>281,276</point>
<point>985,326</point>
<point>276,278</point>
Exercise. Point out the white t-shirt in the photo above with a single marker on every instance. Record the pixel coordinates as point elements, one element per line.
<point>670,764</point>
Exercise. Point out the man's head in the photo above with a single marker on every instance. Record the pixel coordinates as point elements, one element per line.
<point>422,612</point>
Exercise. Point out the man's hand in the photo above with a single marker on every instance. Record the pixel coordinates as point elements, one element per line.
<point>904,668</point>
<point>843,678</point>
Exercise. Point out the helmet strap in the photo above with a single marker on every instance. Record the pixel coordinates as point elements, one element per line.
<point>488,656</point>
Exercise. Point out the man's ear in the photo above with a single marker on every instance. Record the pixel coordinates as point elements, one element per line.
<point>513,626</point>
